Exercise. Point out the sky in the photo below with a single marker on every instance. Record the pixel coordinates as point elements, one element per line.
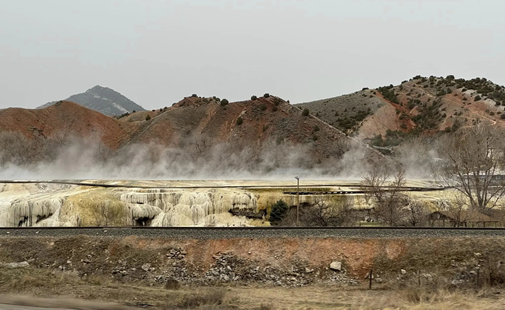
<point>156,52</point>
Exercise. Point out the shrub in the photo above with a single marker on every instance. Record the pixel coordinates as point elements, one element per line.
<point>148,117</point>
<point>254,97</point>
<point>224,102</point>
<point>172,284</point>
<point>239,121</point>
<point>274,109</point>
<point>278,212</point>
<point>316,128</point>
<point>477,98</point>
<point>502,116</point>
<point>263,107</point>
<point>305,112</point>
<point>194,95</point>
<point>266,95</point>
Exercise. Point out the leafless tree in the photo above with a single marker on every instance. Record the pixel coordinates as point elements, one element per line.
<point>325,211</point>
<point>416,213</point>
<point>330,212</point>
<point>385,189</point>
<point>472,161</point>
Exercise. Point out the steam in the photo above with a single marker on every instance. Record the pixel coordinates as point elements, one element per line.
<point>196,158</point>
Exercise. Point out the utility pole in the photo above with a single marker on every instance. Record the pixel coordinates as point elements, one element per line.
<point>297,201</point>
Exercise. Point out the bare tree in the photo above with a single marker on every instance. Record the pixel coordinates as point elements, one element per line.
<point>330,212</point>
<point>385,189</point>
<point>325,211</point>
<point>472,160</point>
<point>416,213</point>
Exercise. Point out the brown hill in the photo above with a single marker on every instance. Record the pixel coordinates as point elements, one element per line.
<point>267,131</point>
<point>62,119</point>
<point>420,106</point>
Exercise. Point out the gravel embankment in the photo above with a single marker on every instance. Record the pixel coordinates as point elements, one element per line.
<point>228,233</point>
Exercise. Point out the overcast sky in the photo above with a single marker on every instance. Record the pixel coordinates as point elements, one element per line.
<point>157,51</point>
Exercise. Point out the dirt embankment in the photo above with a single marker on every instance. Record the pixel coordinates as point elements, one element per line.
<point>267,261</point>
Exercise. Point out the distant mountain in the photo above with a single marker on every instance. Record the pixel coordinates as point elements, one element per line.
<point>104,100</point>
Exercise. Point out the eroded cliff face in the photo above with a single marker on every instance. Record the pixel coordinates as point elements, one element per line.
<point>43,205</point>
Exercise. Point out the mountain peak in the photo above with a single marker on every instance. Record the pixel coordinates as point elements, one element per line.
<point>104,100</point>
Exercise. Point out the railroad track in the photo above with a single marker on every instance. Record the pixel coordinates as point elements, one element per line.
<point>254,232</point>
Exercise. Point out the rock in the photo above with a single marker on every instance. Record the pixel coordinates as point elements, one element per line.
<point>16,265</point>
<point>308,270</point>
<point>403,271</point>
<point>336,265</point>
<point>146,267</point>
<point>457,282</point>
<point>378,280</point>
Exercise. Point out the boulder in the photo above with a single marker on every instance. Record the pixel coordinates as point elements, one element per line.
<point>336,266</point>
<point>146,267</point>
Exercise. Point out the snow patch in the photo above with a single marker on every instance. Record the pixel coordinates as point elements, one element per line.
<point>119,107</point>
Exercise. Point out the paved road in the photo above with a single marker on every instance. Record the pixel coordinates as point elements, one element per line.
<point>9,307</point>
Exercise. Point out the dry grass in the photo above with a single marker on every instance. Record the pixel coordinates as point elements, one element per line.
<point>68,289</point>
<point>211,299</point>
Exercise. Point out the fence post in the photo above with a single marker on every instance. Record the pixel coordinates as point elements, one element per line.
<point>370,276</point>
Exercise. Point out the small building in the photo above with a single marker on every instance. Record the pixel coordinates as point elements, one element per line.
<point>461,218</point>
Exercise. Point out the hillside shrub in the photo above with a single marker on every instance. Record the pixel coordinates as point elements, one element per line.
<point>266,95</point>
<point>148,117</point>
<point>278,212</point>
<point>194,95</point>
<point>239,121</point>
<point>274,109</point>
<point>305,112</point>
<point>263,107</point>
<point>477,98</point>
<point>389,93</point>
<point>224,102</point>
<point>254,97</point>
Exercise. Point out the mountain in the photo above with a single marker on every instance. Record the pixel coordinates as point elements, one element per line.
<point>252,136</point>
<point>422,106</point>
<point>104,100</point>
